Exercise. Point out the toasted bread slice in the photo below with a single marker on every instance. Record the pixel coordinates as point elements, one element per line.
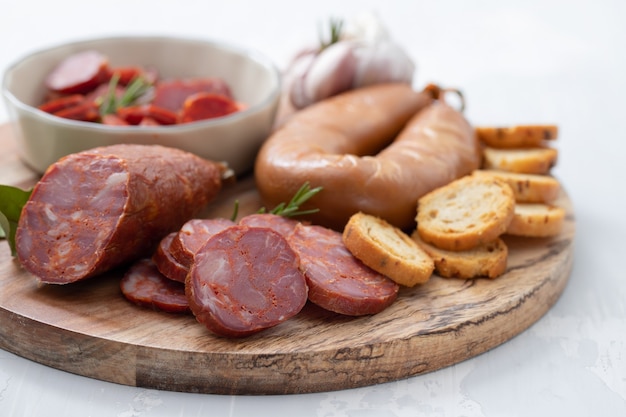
<point>521,160</point>
<point>528,188</point>
<point>518,136</point>
<point>466,213</point>
<point>536,220</point>
<point>486,260</point>
<point>387,250</point>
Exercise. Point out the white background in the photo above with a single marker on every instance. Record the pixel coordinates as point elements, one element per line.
<point>531,61</point>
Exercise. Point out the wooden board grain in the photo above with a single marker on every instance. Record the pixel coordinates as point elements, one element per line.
<point>89,329</point>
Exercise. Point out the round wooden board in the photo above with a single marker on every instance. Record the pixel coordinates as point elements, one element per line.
<point>89,329</point>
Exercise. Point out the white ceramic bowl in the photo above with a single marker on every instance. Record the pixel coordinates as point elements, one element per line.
<point>254,80</point>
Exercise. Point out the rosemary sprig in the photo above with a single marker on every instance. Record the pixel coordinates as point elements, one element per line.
<point>336,26</point>
<point>292,208</point>
<point>110,103</point>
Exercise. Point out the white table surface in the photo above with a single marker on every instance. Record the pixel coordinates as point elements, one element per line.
<point>531,61</point>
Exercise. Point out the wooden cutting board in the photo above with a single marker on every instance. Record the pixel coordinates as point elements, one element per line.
<point>89,329</point>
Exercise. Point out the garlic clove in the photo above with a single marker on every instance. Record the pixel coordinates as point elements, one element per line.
<point>381,62</point>
<point>331,73</point>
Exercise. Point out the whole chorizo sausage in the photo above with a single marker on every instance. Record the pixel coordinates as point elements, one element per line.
<point>98,209</point>
<point>375,149</point>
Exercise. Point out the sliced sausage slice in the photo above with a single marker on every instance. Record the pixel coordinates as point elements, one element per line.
<point>280,224</point>
<point>203,106</point>
<point>166,263</point>
<point>244,280</point>
<point>135,114</point>
<point>192,235</point>
<point>171,94</point>
<point>338,281</point>
<point>60,103</point>
<point>86,111</point>
<point>144,285</point>
<point>79,73</point>
<point>98,209</point>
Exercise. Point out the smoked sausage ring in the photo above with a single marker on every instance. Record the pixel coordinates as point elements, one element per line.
<point>375,149</point>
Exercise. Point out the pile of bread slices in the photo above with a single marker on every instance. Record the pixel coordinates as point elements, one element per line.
<point>459,226</point>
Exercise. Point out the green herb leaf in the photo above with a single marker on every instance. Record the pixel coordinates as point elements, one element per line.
<point>137,88</point>
<point>109,103</point>
<point>233,217</point>
<point>336,26</point>
<point>292,208</point>
<point>12,200</point>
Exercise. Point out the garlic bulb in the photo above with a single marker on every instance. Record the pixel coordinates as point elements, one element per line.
<point>363,54</point>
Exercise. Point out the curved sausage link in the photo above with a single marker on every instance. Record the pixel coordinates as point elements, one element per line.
<point>346,145</point>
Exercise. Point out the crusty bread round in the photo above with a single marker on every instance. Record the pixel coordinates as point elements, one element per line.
<point>517,136</point>
<point>387,250</point>
<point>465,213</point>
<point>521,160</point>
<point>527,188</point>
<point>536,220</point>
<point>486,260</point>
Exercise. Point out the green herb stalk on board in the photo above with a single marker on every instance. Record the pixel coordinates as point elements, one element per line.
<point>290,209</point>
<point>12,199</point>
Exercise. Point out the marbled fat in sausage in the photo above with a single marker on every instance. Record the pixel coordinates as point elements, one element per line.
<point>337,280</point>
<point>192,235</point>
<point>280,224</point>
<point>145,286</point>
<point>98,209</point>
<point>244,280</point>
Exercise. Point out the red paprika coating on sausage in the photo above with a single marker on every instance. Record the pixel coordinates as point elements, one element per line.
<point>60,103</point>
<point>135,114</point>
<point>79,73</point>
<point>192,235</point>
<point>280,224</point>
<point>171,94</point>
<point>127,75</point>
<point>113,120</point>
<point>85,111</point>
<point>337,280</point>
<point>98,209</point>
<point>148,121</point>
<point>145,286</point>
<point>203,106</point>
<point>102,91</point>
<point>245,280</point>
<point>166,263</point>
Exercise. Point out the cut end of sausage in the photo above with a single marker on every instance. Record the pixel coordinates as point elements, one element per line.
<point>70,218</point>
<point>244,280</point>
